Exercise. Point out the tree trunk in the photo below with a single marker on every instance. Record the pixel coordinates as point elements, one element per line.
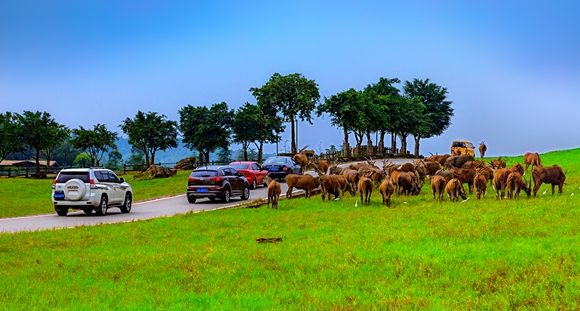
<point>207,158</point>
<point>147,163</point>
<point>294,147</point>
<point>345,146</point>
<point>37,163</point>
<point>417,139</point>
<point>152,157</point>
<point>393,143</point>
<point>369,144</point>
<point>47,165</point>
<point>382,142</point>
<point>403,144</point>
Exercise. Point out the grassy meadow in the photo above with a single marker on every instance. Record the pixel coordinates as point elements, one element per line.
<point>418,254</point>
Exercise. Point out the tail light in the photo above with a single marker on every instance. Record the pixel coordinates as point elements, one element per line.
<point>219,178</point>
<point>285,168</point>
<point>93,184</point>
<point>54,184</point>
<point>190,179</point>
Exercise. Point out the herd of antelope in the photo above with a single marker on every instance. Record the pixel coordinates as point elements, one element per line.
<point>446,174</point>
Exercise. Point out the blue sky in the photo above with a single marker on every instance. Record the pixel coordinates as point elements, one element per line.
<point>512,68</point>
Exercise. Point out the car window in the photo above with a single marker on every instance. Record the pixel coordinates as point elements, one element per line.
<point>255,167</point>
<point>239,166</point>
<point>104,176</point>
<point>229,172</point>
<point>63,177</point>
<point>113,177</point>
<point>203,173</point>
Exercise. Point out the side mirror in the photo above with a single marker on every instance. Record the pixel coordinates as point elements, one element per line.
<point>122,180</point>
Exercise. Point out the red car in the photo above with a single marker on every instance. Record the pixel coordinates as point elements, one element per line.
<point>252,171</point>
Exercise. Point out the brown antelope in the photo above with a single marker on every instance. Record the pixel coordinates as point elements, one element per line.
<point>301,158</point>
<point>274,190</point>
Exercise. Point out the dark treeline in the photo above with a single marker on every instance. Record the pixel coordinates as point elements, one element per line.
<point>419,109</point>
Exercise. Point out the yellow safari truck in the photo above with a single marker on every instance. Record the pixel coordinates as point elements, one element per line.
<point>461,147</point>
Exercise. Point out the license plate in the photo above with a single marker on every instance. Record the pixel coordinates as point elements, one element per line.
<point>272,169</point>
<point>201,190</point>
<point>59,196</point>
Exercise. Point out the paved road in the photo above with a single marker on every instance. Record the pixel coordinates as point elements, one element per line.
<point>140,210</point>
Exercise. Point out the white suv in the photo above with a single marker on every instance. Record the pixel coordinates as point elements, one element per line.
<point>90,189</point>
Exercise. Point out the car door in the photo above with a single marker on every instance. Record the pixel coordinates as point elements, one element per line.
<point>235,180</point>
<point>259,172</point>
<point>118,188</point>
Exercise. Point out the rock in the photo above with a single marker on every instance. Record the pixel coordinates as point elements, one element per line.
<point>186,164</point>
<point>157,171</point>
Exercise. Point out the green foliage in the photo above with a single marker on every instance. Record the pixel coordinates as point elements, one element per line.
<point>9,135</point>
<point>94,142</point>
<point>206,130</point>
<point>224,155</point>
<point>149,133</point>
<point>41,133</point>
<point>135,158</point>
<point>82,160</point>
<point>115,160</point>
<point>344,109</point>
<point>64,154</point>
<point>293,95</point>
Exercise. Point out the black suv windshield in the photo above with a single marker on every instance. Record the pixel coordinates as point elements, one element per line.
<point>63,177</point>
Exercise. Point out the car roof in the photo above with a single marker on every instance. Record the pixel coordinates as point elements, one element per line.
<point>243,162</point>
<point>210,167</point>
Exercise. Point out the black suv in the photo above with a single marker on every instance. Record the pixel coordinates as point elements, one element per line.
<point>216,182</point>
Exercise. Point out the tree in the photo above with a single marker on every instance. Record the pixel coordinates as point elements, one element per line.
<point>65,153</point>
<point>385,96</point>
<point>245,127</point>
<point>248,126</point>
<point>94,142</point>
<point>206,130</point>
<point>224,155</point>
<point>437,109</point>
<point>149,133</point>
<point>54,137</point>
<point>343,109</point>
<point>82,160</point>
<point>293,95</point>
<point>9,135</point>
<point>115,160</point>
<point>41,133</point>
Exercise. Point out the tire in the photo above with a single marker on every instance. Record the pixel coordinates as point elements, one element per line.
<point>102,209</point>
<point>227,196</point>
<point>62,211</point>
<point>191,199</point>
<point>254,184</point>
<point>88,210</point>
<point>126,207</point>
<point>75,189</point>
<point>245,193</point>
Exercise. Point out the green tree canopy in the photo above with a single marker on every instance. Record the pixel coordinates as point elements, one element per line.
<point>438,109</point>
<point>9,135</point>
<point>115,160</point>
<point>82,160</point>
<point>344,109</point>
<point>149,133</point>
<point>249,127</point>
<point>293,95</point>
<point>41,133</point>
<point>206,130</point>
<point>94,142</point>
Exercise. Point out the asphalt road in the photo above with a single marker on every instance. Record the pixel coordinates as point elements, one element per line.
<point>162,207</point>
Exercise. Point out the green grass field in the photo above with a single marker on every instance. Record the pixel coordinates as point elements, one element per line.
<point>485,255</point>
